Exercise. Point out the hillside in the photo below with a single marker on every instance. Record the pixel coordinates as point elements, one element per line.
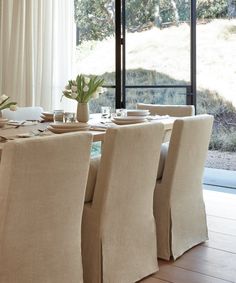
<point>167,51</point>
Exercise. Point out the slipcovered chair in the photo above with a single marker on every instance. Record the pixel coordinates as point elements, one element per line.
<point>42,188</point>
<point>178,198</point>
<point>118,227</point>
<point>23,113</point>
<point>171,110</point>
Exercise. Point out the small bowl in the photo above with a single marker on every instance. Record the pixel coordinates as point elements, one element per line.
<point>3,122</point>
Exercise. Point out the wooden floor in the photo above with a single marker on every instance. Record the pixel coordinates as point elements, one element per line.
<point>213,261</point>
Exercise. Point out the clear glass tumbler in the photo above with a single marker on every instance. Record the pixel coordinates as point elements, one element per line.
<point>58,116</point>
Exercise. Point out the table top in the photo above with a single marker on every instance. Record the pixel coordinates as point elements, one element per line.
<point>11,132</point>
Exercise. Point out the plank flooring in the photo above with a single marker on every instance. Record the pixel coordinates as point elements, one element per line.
<point>213,261</point>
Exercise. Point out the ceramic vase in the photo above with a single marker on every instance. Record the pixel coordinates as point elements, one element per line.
<point>83,112</point>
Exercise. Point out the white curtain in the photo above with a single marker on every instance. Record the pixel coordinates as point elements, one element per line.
<point>37,51</point>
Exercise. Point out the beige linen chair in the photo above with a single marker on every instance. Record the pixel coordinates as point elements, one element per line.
<point>178,199</point>
<point>171,110</point>
<point>23,113</point>
<point>118,228</point>
<point>42,191</point>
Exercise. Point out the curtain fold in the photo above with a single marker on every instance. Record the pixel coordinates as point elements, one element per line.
<point>37,51</point>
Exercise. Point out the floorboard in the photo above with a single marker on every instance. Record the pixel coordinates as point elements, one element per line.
<point>213,261</point>
<point>179,275</point>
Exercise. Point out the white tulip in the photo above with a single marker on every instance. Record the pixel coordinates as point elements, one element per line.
<point>86,80</point>
<point>13,107</point>
<point>3,97</point>
<point>74,88</point>
<point>95,95</point>
<point>86,88</point>
<point>100,89</point>
<point>74,95</point>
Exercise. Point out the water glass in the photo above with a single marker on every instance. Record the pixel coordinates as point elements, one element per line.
<point>121,112</point>
<point>69,117</point>
<point>58,116</point>
<point>106,112</point>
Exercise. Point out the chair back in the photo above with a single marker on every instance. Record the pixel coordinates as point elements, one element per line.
<point>171,110</point>
<point>23,113</point>
<point>124,198</point>
<point>42,192</point>
<point>178,199</point>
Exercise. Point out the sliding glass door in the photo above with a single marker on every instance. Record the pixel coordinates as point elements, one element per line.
<point>157,52</point>
<point>144,49</point>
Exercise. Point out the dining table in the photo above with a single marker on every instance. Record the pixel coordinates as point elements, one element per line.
<point>38,129</point>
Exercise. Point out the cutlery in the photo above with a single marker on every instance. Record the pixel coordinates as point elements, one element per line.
<point>20,124</point>
<point>4,139</point>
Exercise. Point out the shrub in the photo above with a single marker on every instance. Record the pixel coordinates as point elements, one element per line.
<point>211,9</point>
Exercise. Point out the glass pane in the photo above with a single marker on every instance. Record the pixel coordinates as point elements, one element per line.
<point>157,42</point>
<point>155,96</point>
<point>105,99</point>
<point>216,77</point>
<point>95,29</point>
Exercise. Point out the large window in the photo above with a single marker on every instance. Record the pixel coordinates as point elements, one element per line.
<point>143,49</point>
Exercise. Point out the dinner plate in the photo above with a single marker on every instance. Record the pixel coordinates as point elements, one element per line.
<point>127,122</point>
<point>130,118</point>
<point>69,125</point>
<point>68,130</point>
<point>25,135</point>
<point>135,112</point>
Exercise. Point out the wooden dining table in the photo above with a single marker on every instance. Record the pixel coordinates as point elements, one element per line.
<point>39,130</point>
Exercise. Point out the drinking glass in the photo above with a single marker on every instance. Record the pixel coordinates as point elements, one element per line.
<point>121,112</point>
<point>106,112</point>
<point>58,116</point>
<point>69,117</point>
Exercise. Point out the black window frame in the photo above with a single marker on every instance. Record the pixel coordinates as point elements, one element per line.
<point>120,64</point>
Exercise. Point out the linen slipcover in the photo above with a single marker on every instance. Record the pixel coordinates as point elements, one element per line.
<point>171,110</point>
<point>179,208</point>
<point>23,113</point>
<point>42,188</point>
<point>118,228</point>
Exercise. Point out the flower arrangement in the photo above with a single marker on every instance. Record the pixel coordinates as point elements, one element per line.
<point>4,103</point>
<point>84,88</point>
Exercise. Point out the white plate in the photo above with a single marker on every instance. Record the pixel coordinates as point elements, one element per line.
<point>25,135</point>
<point>21,123</point>
<point>69,125</point>
<point>130,118</point>
<point>119,122</point>
<point>61,131</point>
<point>158,117</point>
<point>138,112</point>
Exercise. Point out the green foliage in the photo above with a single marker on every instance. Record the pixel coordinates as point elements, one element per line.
<point>224,134</point>
<point>92,19</point>
<point>211,9</point>
<point>139,13</point>
<point>96,21</point>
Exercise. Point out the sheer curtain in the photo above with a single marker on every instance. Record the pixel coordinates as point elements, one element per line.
<point>37,51</point>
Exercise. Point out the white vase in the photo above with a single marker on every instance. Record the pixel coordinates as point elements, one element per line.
<point>83,112</point>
